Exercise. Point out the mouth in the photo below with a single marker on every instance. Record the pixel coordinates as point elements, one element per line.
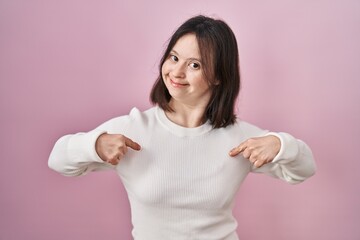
<point>177,84</point>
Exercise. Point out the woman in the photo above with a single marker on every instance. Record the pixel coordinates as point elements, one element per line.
<point>183,160</point>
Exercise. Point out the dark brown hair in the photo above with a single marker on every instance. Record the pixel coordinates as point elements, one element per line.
<point>220,61</point>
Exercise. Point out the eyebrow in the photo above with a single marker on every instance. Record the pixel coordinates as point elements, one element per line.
<point>196,59</point>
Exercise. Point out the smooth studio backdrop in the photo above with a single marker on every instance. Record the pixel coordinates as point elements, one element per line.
<point>67,66</point>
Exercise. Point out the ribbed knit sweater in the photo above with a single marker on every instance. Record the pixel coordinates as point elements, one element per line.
<point>182,183</point>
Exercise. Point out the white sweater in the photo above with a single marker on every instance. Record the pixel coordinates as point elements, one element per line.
<point>182,183</point>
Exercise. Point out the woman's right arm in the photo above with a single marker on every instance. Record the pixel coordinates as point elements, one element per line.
<point>78,154</point>
<point>75,155</point>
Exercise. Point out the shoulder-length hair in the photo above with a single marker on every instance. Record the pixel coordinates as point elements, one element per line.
<point>220,61</point>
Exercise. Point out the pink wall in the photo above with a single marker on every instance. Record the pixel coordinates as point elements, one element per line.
<point>67,66</point>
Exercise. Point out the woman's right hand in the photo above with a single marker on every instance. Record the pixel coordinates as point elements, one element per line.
<point>111,148</point>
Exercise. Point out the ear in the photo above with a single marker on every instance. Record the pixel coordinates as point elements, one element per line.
<point>214,83</point>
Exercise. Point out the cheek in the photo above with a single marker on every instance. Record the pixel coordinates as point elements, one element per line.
<point>165,68</point>
<point>201,82</point>
<point>164,72</point>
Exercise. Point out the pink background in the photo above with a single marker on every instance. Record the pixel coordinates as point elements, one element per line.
<point>67,66</point>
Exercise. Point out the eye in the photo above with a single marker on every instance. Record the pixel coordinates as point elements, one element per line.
<point>174,58</point>
<point>194,65</point>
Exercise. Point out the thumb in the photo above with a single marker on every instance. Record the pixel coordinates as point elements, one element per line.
<point>131,144</point>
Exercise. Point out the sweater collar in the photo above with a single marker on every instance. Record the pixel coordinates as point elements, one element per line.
<point>180,130</point>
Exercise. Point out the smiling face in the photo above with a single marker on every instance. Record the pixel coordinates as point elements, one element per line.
<point>183,74</point>
<point>217,79</point>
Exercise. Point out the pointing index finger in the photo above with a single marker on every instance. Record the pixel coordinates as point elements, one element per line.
<point>235,151</point>
<point>131,144</point>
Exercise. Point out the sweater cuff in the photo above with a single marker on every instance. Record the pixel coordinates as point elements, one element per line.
<point>86,145</point>
<point>289,148</point>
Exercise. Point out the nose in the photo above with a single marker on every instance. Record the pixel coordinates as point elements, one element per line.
<point>178,70</point>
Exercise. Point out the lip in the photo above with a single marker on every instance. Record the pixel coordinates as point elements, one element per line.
<point>177,84</point>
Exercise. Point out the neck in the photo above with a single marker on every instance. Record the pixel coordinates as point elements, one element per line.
<point>186,115</point>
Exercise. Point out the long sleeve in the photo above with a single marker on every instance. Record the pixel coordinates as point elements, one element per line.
<point>75,155</point>
<point>294,163</point>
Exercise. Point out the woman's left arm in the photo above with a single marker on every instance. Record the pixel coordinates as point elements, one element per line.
<point>279,155</point>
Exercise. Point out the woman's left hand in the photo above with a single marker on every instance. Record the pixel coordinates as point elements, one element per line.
<point>259,150</point>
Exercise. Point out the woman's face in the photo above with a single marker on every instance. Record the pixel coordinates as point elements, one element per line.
<point>183,74</point>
